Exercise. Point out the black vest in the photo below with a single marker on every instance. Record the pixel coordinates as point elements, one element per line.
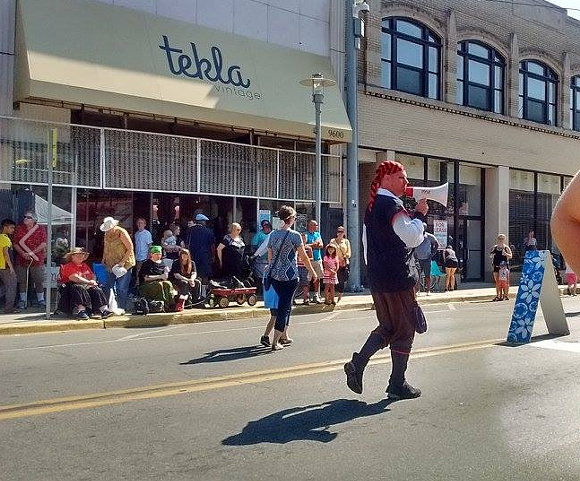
<point>387,254</point>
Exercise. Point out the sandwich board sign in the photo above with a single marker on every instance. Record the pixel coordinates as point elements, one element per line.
<point>537,286</point>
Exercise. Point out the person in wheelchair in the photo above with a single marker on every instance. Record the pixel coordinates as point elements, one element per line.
<point>79,291</point>
<point>153,280</point>
<point>183,275</point>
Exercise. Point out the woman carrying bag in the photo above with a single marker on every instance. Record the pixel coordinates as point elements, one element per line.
<point>282,274</point>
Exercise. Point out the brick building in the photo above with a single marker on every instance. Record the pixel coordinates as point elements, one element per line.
<point>484,95</point>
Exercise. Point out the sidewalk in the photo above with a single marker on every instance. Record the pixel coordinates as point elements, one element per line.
<point>35,322</point>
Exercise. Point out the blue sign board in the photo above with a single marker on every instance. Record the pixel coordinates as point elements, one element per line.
<point>537,286</point>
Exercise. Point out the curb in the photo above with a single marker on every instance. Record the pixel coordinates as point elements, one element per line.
<point>196,316</point>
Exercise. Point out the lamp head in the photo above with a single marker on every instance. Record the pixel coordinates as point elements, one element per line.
<point>317,82</point>
<point>359,6</point>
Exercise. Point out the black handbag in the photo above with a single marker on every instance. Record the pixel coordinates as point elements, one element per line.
<point>419,319</point>
<point>268,280</point>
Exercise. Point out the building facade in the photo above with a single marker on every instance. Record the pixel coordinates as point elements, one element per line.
<point>166,108</point>
<point>484,95</point>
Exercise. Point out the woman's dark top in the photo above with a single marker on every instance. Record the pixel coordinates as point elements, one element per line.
<point>498,256</point>
<point>176,269</point>
<point>232,256</point>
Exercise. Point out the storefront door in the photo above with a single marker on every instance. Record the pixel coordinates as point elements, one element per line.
<point>469,248</point>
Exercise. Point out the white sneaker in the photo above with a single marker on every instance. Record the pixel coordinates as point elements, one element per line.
<point>277,347</point>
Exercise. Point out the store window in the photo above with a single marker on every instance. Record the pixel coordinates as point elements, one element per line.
<point>411,55</point>
<point>575,103</point>
<point>538,92</point>
<point>533,197</point>
<point>480,77</point>
<point>460,222</point>
<point>15,200</point>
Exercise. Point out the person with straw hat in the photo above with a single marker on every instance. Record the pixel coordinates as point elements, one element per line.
<point>118,259</point>
<point>79,288</point>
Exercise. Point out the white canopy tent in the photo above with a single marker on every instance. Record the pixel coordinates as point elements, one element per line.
<point>59,216</point>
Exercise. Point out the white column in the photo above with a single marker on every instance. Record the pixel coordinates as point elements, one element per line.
<point>497,194</point>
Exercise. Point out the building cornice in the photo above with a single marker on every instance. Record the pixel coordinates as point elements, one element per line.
<point>396,96</point>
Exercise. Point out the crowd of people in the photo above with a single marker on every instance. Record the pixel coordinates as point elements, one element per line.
<point>177,268</point>
<point>172,271</point>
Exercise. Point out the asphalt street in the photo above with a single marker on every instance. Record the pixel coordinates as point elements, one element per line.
<point>205,401</point>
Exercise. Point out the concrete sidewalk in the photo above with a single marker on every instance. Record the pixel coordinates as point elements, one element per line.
<point>35,322</point>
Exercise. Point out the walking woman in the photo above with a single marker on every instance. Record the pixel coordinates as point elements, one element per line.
<point>343,253</point>
<point>283,245</point>
<point>499,253</point>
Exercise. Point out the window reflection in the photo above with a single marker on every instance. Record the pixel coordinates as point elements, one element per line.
<point>410,58</point>
<point>538,92</point>
<point>480,72</point>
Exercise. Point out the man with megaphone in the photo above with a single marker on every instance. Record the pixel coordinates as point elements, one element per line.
<point>389,233</point>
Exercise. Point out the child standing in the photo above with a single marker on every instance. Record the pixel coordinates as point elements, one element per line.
<point>571,280</point>
<point>503,281</point>
<point>330,279</point>
<point>303,274</point>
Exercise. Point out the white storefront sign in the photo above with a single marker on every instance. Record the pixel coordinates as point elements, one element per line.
<point>440,232</point>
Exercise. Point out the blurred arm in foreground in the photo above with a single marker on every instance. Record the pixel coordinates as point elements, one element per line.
<point>565,223</point>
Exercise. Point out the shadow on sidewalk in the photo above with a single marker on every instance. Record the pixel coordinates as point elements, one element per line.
<point>222,355</point>
<point>310,423</point>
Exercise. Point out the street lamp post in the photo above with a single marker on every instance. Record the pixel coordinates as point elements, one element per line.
<point>318,82</point>
<point>354,34</point>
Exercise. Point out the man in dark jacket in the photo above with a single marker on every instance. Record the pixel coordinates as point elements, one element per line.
<point>389,233</point>
<point>200,241</point>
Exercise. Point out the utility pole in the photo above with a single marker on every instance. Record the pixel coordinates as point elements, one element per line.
<point>354,33</point>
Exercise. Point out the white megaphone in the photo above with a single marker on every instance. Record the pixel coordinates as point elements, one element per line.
<point>438,194</point>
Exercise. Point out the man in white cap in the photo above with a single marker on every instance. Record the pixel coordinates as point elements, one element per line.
<point>118,259</point>
<point>200,241</point>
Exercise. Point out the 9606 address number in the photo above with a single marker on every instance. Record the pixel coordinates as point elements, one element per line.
<point>337,134</point>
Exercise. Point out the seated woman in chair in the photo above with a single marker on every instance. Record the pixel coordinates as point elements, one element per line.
<point>79,289</point>
<point>184,277</point>
<point>153,280</point>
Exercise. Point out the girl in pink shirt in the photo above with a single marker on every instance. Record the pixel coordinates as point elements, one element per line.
<point>330,279</point>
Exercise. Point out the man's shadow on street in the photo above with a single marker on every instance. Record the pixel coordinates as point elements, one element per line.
<point>311,423</point>
<point>222,355</point>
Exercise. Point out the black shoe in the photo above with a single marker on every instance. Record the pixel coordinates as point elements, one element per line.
<point>82,316</point>
<point>354,376</point>
<point>265,341</point>
<point>106,313</point>
<point>403,391</point>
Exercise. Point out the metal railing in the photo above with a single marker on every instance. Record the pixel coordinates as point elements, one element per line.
<point>106,158</point>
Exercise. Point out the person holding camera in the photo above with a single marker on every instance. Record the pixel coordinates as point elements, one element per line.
<point>498,254</point>
<point>389,234</point>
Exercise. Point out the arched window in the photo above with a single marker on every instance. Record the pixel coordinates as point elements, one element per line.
<point>410,57</point>
<point>480,77</point>
<point>575,103</point>
<point>538,92</point>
